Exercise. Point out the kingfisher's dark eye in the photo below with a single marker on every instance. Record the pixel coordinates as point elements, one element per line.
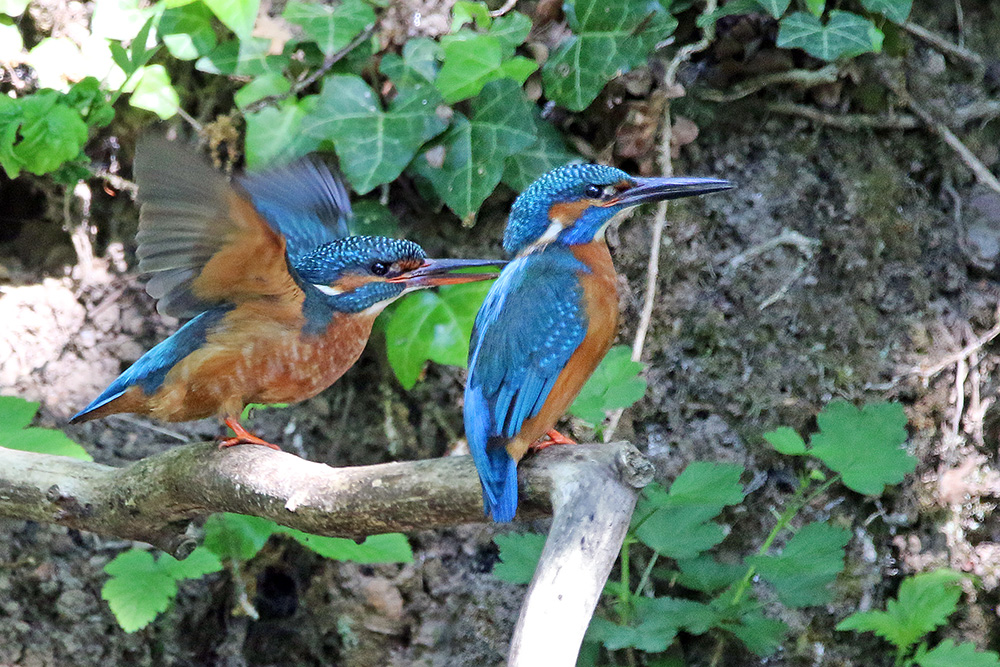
<point>380,268</point>
<point>593,191</point>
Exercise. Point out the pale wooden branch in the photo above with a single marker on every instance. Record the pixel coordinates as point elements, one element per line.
<point>590,490</point>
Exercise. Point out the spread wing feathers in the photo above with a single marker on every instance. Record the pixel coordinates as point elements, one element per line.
<point>304,202</point>
<point>530,324</point>
<point>204,244</point>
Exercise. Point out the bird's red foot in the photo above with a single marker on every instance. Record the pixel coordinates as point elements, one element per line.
<point>551,437</point>
<point>243,437</point>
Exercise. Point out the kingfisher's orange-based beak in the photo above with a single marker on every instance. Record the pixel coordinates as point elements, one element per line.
<point>435,272</point>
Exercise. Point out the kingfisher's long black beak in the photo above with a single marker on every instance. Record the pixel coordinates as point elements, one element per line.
<point>660,188</point>
<point>434,272</point>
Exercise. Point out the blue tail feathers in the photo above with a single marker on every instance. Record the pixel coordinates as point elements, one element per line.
<point>497,470</point>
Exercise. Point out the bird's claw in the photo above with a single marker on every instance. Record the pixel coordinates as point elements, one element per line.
<point>243,437</point>
<point>551,437</point>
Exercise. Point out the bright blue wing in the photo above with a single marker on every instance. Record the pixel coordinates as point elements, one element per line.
<point>151,368</point>
<point>531,322</point>
<point>303,202</point>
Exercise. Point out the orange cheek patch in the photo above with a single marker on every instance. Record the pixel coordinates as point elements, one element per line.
<point>353,281</point>
<point>566,213</point>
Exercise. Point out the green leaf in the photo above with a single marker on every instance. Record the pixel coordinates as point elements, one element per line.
<point>704,573</point>
<point>658,621</point>
<point>266,85</point>
<point>470,63</point>
<point>774,7</point>
<point>199,562</point>
<point>275,134</point>
<point>615,384</point>
<point>808,564</point>
<point>237,15</point>
<point>373,219</point>
<point>16,413</point>
<point>762,635</point>
<point>236,536</point>
<point>187,30</point>
<point>13,7</point>
<point>374,146</point>
<point>845,35</point>
<point>139,589</point>
<point>925,601</point>
<point>154,93</point>
<point>816,7</point>
<point>51,133</point>
<point>244,58</point>
<point>330,27</point>
<point>470,12</point>
<point>548,152</point>
<point>678,523</point>
<point>896,11</point>
<point>519,556</point>
<point>511,29</point>
<point>418,65</point>
<point>502,124</point>
<point>388,548</point>
<point>432,326</point>
<point>864,445</point>
<point>118,19</point>
<point>948,654</point>
<point>608,39</point>
<point>786,441</point>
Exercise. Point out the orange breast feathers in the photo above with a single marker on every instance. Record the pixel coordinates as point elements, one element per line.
<point>258,357</point>
<point>600,293</point>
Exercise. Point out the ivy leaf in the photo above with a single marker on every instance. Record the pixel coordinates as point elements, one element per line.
<point>511,29</point>
<point>925,601</point>
<point>614,384</point>
<point>331,28</point>
<point>266,85</point>
<point>236,536</point>
<point>808,564</point>
<point>388,548</point>
<point>548,152</point>
<point>418,65</point>
<point>608,39</point>
<point>139,589</point>
<point>949,654</point>
<point>864,446</point>
<point>275,135</point>
<point>774,7</point>
<point>677,523</point>
<point>519,556</point>
<point>187,30</point>
<point>845,35</point>
<point>816,7</point>
<point>153,92</point>
<point>470,63</point>
<point>475,149</point>
<point>896,11</point>
<point>786,441</point>
<point>470,12</point>
<point>433,326</point>
<point>243,58</point>
<point>237,15</point>
<point>374,146</point>
<point>15,415</point>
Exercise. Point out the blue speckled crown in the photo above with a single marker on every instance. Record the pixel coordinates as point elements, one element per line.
<point>529,216</point>
<point>330,260</point>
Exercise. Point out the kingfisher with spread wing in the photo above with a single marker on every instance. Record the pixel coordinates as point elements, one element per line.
<point>282,299</point>
<point>551,316</point>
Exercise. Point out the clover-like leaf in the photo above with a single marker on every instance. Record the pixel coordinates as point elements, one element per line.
<point>808,564</point>
<point>519,556</point>
<point>846,34</point>
<point>896,11</point>
<point>608,39</point>
<point>432,326</point>
<point>374,146</point>
<point>864,446</point>
<point>475,149</point>
<point>331,27</point>
<point>950,654</point>
<point>615,384</point>
<point>139,589</point>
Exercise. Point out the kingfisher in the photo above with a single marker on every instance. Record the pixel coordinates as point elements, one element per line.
<point>281,298</point>
<point>551,316</point>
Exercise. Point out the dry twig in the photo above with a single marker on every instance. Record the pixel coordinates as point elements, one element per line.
<point>850,122</point>
<point>955,51</point>
<point>804,78</point>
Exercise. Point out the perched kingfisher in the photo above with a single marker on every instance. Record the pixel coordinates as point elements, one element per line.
<point>282,299</point>
<point>551,316</point>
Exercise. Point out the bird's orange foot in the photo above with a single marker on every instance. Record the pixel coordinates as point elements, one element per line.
<point>551,437</point>
<point>243,437</point>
